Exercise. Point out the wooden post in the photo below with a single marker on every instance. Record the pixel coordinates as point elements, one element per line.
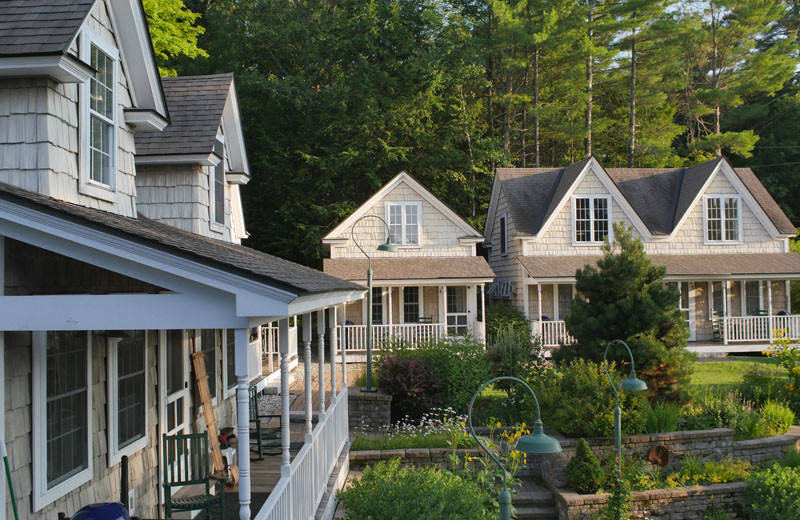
<point>483,310</point>
<point>526,296</point>
<point>769,311</point>
<point>321,360</point>
<point>308,382</point>
<point>243,422</point>
<point>788,297</point>
<point>332,323</point>
<point>283,348</point>
<point>344,348</point>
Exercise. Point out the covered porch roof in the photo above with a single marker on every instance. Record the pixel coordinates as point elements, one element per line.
<point>429,270</point>
<point>706,266</point>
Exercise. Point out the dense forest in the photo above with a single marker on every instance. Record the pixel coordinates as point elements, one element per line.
<point>338,96</point>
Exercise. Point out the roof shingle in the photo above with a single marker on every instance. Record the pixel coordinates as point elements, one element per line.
<point>410,268</point>
<point>40,27</point>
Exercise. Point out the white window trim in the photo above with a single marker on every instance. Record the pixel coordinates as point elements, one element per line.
<point>403,244</point>
<point>212,191</point>
<point>86,185</point>
<point>557,299</point>
<point>228,392</point>
<point>503,223</point>
<point>592,198</point>
<point>112,384</point>
<point>403,302</point>
<point>739,219</point>
<point>41,495</point>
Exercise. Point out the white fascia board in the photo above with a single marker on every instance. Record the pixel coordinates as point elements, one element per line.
<point>64,68</point>
<point>118,312</point>
<point>470,240</point>
<point>316,301</point>
<point>426,282</point>
<point>145,119</point>
<point>232,127</point>
<point>237,177</point>
<point>344,227</point>
<point>716,277</point>
<point>490,214</point>
<point>210,159</point>
<point>136,260</point>
<point>726,169</point>
<point>335,241</point>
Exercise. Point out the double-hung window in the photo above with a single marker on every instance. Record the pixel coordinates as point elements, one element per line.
<point>98,121</point>
<point>503,235</point>
<point>377,305</point>
<point>404,222</point>
<point>219,184</point>
<point>723,218</point>
<point>410,304</point>
<point>127,395</point>
<point>591,219</point>
<point>62,404</point>
<point>564,300</point>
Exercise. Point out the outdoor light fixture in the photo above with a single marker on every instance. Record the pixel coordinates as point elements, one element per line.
<point>536,443</point>
<point>629,383</point>
<point>388,247</point>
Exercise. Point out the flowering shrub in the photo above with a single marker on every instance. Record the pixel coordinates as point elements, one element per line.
<point>775,494</point>
<point>438,428</point>
<point>695,472</point>
<point>742,415</point>
<point>789,356</point>
<point>413,384</point>
<point>762,384</point>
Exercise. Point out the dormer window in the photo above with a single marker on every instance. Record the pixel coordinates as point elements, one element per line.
<point>723,218</point>
<point>591,219</point>
<point>98,121</point>
<point>404,220</point>
<point>219,184</point>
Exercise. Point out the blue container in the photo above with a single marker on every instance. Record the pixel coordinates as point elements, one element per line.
<point>108,511</point>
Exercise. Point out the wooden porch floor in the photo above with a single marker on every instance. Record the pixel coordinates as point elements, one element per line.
<point>718,348</point>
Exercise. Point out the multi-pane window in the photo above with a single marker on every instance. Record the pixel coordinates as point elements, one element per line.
<point>717,298</point>
<point>176,380</point>
<point>503,236</point>
<point>208,346</point>
<point>457,316</point>
<point>128,398</point>
<point>377,305</point>
<point>219,184</point>
<point>101,117</point>
<point>564,300</point>
<point>230,351</point>
<point>592,217</point>
<point>410,304</point>
<point>753,297</point>
<point>722,218</point>
<point>403,220</point>
<point>66,425</point>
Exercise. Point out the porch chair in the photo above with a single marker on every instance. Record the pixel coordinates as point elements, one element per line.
<point>716,326</point>
<point>187,463</point>
<point>264,440</point>
<point>425,319</point>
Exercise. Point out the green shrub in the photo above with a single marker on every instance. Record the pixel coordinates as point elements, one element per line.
<point>774,494</point>
<point>776,419</point>
<point>500,317</point>
<point>513,354</point>
<point>761,384</point>
<point>742,415</point>
<point>361,379</point>
<point>661,418</point>
<point>387,491</point>
<point>792,459</point>
<point>695,472</point>
<point>788,354</point>
<point>577,400</point>
<point>584,473</point>
<point>413,383</point>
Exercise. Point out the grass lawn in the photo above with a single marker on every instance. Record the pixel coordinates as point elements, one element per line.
<point>724,375</point>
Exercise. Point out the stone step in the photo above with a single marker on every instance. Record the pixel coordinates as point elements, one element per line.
<point>537,513</point>
<point>528,497</point>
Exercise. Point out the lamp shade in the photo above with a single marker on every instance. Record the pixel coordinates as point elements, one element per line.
<point>537,443</point>
<point>633,383</point>
<point>388,246</point>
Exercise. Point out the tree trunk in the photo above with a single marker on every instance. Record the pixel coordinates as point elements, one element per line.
<point>715,74</point>
<point>589,80</point>
<point>536,107</point>
<point>506,114</point>
<point>632,129</point>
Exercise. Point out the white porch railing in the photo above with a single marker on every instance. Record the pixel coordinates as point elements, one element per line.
<point>354,337</point>
<point>758,328</point>
<point>552,333</point>
<point>254,360</point>
<point>298,495</point>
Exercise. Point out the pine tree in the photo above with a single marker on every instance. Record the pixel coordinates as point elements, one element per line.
<point>625,298</point>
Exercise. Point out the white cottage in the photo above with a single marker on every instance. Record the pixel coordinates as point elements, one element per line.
<point>120,220</point>
<point>721,236</point>
<point>433,286</point>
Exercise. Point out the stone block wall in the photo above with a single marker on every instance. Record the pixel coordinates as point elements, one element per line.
<point>758,451</point>
<point>368,411</point>
<point>685,503</point>
<point>416,456</point>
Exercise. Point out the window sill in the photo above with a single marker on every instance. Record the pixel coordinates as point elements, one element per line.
<point>588,244</point>
<point>215,227</point>
<point>69,485</point>
<point>129,451</point>
<point>98,191</point>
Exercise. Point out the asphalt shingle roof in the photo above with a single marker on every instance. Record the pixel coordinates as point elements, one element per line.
<point>241,260</point>
<point>195,105</point>
<point>40,27</point>
<point>410,268</point>
<point>660,196</point>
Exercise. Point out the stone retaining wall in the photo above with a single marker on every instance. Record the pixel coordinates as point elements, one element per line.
<point>684,503</point>
<point>762,450</point>
<point>368,411</point>
<point>416,456</point>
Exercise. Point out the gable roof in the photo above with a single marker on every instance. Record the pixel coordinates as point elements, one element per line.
<point>197,107</point>
<point>234,258</point>
<point>415,268</point>
<point>661,197</point>
<point>35,37</point>
<point>342,230</point>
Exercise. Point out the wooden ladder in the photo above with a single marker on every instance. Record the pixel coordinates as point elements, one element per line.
<point>198,361</point>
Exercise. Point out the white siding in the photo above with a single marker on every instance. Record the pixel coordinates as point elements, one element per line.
<point>439,234</point>
<point>507,266</point>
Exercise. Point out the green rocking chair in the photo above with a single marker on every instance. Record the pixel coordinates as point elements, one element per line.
<point>264,440</point>
<point>187,463</point>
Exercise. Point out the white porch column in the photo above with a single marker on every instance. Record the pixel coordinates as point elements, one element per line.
<point>321,360</point>
<point>308,380</point>
<point>526,298</point>
<point>243,422</point>
<point>483,310</point>
<point>332,324</point>
<point>472,307</point>
<point>2,374</point>
<point>788,297</point>
<point>769,310</point>
<point>555,302</point>
<point>389,313</point>
<point>283,347</point>
<point>344,348</point>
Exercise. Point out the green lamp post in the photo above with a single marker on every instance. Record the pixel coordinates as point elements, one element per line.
<point>629,383</point>
<point>536,443</point>
<point>387,246</point>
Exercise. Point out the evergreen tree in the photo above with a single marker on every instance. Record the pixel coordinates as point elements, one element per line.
<point>625,298</point>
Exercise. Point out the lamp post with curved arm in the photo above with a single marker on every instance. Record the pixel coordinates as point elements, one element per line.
<point>387,246</point>
<point>629,383</point>
<point>536,443</point>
